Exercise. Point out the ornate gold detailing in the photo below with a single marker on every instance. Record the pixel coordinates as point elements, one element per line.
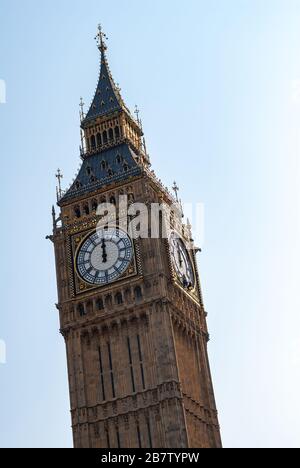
<point>78,285</point>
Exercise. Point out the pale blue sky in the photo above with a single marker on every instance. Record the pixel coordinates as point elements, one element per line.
<point>217,85</point>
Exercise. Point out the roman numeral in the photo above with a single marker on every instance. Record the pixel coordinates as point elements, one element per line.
<point>123,260</point>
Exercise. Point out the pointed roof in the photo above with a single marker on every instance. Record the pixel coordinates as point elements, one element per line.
<point>107,97</point>
<point>114,165</point>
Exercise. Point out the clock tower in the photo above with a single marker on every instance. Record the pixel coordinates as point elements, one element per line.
<point>130,306</point>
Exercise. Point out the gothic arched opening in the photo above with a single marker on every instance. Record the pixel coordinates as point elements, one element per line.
<point>99,139</point>
<point>81,310</point>
<point>94,205</point>
<point>119,298</point>
<point>86,210</point>
<point>117,132</point>
<point>77,211</point>
<point>89,307</point>
<point>110,134</point>
<point>99,304</point>
<point>138,294</point>
<point>93,142</point>
<point>108,301</point>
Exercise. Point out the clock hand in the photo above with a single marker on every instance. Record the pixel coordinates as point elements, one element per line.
<point>179,257</point>
<point>185,282</point>
<point>104,254</point>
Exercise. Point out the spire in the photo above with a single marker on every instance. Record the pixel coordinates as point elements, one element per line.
<point>81,105</point>
<point>53,217</point>
<point>137,113</point>
<point>59,177</point>
<point>175,189</point>
<point>107,98</point>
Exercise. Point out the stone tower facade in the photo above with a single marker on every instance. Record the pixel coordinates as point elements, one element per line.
<point>131,309</point>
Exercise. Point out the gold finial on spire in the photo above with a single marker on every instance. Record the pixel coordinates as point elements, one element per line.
<point>100,38</point>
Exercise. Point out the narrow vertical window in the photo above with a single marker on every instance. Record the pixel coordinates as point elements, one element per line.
<point>81,310</point>
<point>86,210</point>
<point>139,435</point>
<point>99,304</point>
<point>77,212</point>
<point>118,438</point>
<point>94,205</point>
<point>107,438</point>
<point>93,142</point>
<point>111,371</point>
<point>149,433</point>
<point>141,362</point>
<point>138,293</point>
<point>99,139</point>
<point>119,299</point>
<point>101,374</point>
<point>131,365</point>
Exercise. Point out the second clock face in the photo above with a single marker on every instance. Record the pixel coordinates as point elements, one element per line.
<point>181,262</point>
<point>104,256</point>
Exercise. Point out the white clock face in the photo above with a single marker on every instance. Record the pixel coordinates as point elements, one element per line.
<point>104,256</point>
<point>182,262</point>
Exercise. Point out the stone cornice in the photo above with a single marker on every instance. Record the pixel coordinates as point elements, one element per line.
<point>131,404</point>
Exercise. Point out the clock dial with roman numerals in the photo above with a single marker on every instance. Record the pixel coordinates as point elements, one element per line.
<point>182,263</point>
<point>104,256</point>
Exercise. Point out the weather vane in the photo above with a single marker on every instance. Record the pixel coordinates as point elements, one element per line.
<point>100,38</point>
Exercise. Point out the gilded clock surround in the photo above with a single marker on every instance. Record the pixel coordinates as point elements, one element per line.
<point>82,286</point>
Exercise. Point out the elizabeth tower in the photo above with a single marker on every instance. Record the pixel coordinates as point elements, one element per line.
<point>131,309</point>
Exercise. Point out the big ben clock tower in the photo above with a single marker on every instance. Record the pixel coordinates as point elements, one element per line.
<point>130,306</point>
